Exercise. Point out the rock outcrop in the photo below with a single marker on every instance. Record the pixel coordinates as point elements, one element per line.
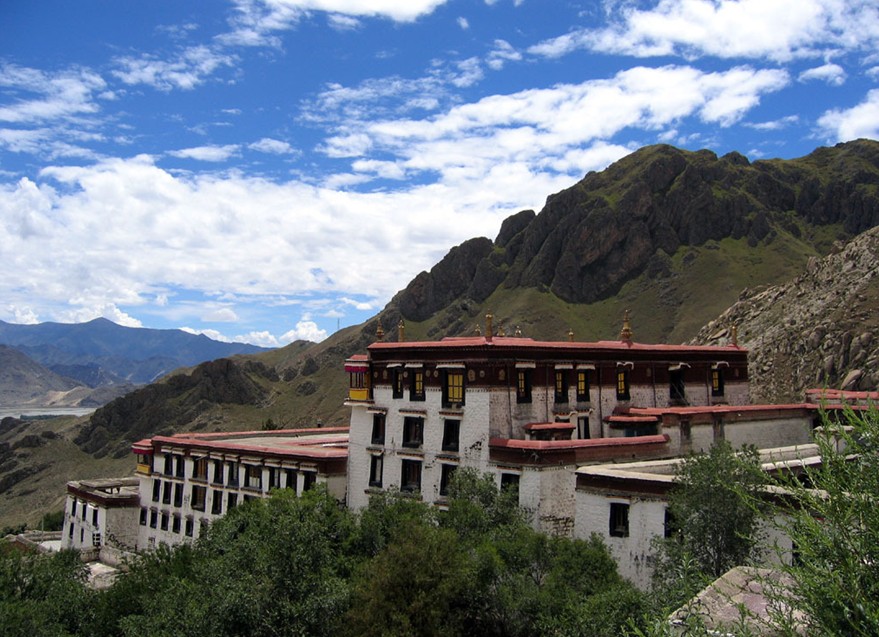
<point>818,330</point>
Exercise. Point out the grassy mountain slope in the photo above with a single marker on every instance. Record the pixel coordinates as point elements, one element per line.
<point>675,236</point>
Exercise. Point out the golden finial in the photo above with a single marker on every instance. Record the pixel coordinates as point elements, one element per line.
<point>734,335</point>
<point>477,331</point>
<point>380,333</point>
<point>500,330</point>
<point>570,335</point>
<point>626,332</point>
<point>401,331</point>
<point>488,328</point>
<point>518,332</point>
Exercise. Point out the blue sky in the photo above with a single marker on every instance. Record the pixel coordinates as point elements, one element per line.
<point>266,170</point>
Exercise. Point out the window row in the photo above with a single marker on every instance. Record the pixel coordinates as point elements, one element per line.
<point>413,432</point>
<point>229,474</point>
<point>618,521</point>
<point>410,476</point>
<point>413,380</point>
<point>168,521</point>
<point>561,385</point>
<point>168,492</point>
<point>75,505</point>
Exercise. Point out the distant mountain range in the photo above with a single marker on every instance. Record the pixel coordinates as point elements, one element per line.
<point>75,364</point>
<point>677,237</point>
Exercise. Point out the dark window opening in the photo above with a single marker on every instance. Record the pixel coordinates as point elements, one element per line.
<point>218,472</point>
<point>309,479</point>
<point>200,469</point>
<point>410,480</point>
<point>448,470</point>
<point>453,388</point>
<point>189,527</point>
<point>413,431</point>
<point>164,525</point>
<point>217,503</point>
<point>619,519</point>
<point>178,495</point>
<point>622,384</point>
<point>397,382</point>
<point>583,428</point>
<point>583,385</point>
<point>157,490</point>
<point>676,390</point>
<point>523,386</point>
<point>274,478</point>
<point>175,524</point>
<point>169,464</point>
<point>717,382</point>
<point>166,493</point>
<point>451,434</point>
<point>252,476</point>
<point>232,474</point>
<point>231,501</point>
<point>378,429</point>
<point>376,468</point>
<point>416,385</point>
<point>669,524</point>
<point>198,498</point>
<point>143,518</point>
<point>510,482</point>
<point>154,519</point>
<point>561,386</point>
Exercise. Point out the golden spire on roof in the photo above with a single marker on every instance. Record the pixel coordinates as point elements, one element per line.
<point>570,335</point>
<point>518,332</point>
<point>734,335</point>
<point>380,332</point>
<point>488,328</point>
<point>626,333</point>
<point>477,330</point>
<point>500,330</point>
<point>401,331</point>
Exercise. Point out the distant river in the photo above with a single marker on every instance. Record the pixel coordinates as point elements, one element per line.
<point>18,412</point>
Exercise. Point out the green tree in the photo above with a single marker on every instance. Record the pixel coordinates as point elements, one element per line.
<point>275,566</point>
<point>714,508</point>
<point>831,514</point>
<point>43,595</point>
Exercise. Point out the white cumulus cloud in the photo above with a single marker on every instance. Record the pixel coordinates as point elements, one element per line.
<point>853,123</point>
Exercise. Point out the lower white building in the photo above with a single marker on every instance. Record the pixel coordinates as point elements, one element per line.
<point>100,513</point>
<point>626,505</point>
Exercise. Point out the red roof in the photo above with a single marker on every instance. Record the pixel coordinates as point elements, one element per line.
<point>565,445</point>
<point>549,426</point>
<point>457,342</point>
<point>313,444</point>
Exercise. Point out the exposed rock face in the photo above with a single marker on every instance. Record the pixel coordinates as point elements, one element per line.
<point>446,281</point>
<point>819,330</point>
<point>595,236</point>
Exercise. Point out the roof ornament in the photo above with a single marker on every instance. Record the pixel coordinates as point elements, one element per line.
<point>734,335</point>
<point>626,333</point>
<point>477,330</point>
<point>488,328</point>
<point>380,332</point>
<point>500,330</point>
<point>401,331</point>
<point>518,332</point>
<point>570,335</point>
